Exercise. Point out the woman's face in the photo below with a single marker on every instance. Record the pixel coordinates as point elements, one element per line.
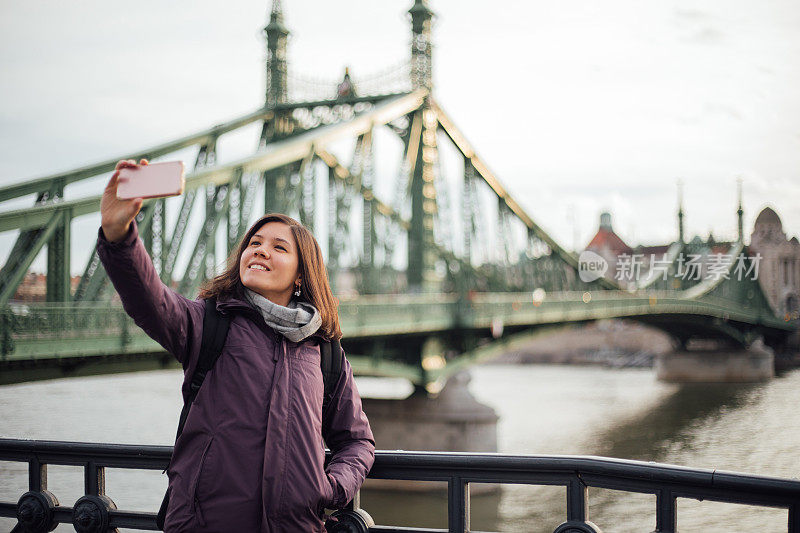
<point>269,264</point>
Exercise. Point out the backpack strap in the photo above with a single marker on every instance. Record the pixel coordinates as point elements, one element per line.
<point>331,355</point>
<point>215,331</point>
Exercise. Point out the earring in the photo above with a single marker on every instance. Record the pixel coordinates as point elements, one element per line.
<point>297,292</point>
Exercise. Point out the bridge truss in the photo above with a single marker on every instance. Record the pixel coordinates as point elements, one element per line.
<point>424,230</point>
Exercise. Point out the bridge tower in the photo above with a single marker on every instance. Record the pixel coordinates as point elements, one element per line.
<point>421,45</point>
<point>276,34</point>
<point>276,181</point>
<point>421,254</point>
<point>740,212</point>
<point>680,211</point>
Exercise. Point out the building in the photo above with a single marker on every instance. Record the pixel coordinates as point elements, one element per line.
<point>778,257</point>
<point>608,245</point>
<point>779,267</point>
<point>34,287</point>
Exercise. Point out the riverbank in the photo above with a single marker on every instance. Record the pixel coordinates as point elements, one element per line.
<point>609,343</point>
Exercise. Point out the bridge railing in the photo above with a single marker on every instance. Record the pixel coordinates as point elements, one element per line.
<point>29,331</point>
<point>35,331</point>
<point>38,509</point>
<point>64,321</point>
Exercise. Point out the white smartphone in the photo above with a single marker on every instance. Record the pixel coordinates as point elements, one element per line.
<point>155,180</point>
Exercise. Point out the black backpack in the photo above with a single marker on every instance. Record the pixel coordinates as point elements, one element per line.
<point>215,331</point>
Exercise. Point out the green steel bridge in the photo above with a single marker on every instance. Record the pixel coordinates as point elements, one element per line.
<point>436,268</point>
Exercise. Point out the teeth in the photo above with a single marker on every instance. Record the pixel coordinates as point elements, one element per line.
<point>258,267</point>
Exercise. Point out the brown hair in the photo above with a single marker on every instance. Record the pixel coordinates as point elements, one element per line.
<point>315,289</point>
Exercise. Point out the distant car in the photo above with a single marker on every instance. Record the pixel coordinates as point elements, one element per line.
<point>19,309</point>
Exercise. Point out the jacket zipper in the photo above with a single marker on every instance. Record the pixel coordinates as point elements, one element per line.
<point>197,508</point>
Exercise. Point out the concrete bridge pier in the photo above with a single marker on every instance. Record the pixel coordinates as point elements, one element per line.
<point>717,365</point>
<point>452,421</point>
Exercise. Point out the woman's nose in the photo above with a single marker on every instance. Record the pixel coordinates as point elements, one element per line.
<point>262,252</point>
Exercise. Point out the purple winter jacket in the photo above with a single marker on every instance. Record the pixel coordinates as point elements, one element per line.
<point>251,455</point>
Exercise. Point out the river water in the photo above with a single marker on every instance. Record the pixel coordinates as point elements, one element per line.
<point>544,410</point>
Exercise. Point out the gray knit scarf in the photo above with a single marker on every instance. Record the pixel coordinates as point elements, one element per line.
<point>296,322</point>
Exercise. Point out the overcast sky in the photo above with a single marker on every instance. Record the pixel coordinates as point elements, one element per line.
<point>576,106</point>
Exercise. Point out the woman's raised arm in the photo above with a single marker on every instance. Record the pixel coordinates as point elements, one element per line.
<point>162,313</point>
<point>116,215</point>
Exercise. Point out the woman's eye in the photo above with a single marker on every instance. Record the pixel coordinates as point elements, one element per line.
<point>281,248</point>
<point>254,243</point>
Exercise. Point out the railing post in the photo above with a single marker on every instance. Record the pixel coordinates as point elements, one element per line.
<point>666,517</point>
<point>457,505</point>
<point>94,478</point>
<point>36,508</point>
<point>794,519</point>
<point>577,501</point>
<point>91,513</point>
<point>355,503</point>
<point>577,507</point>
<point>37,475</point>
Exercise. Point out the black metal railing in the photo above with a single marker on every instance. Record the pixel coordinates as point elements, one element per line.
<point>38,510</point>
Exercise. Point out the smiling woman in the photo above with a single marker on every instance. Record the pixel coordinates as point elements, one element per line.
<point>234,468</point>
<point>280,260</point>
<point>269,263</point>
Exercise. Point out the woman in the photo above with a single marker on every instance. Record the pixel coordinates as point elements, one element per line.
<point>251,455</point>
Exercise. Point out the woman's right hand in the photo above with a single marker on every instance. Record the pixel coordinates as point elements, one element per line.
<point>116,215</point>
